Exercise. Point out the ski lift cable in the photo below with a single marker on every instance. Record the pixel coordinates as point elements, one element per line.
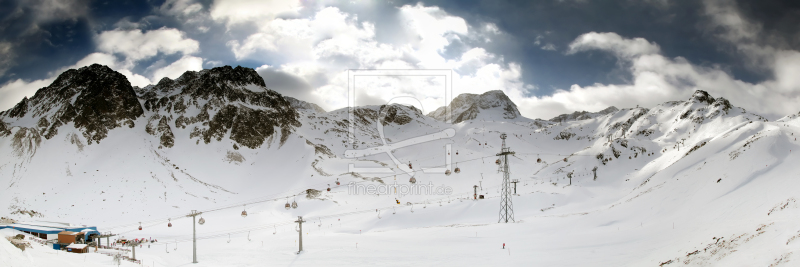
<point>393,207</point>
<point>230,232</point>
<point>224,233</point>
<point>328,216</point>
<point>182,216</point>
<point>306,186</point>
<point>159,221</point>
<point>270,198</point>
<point>258,228</point>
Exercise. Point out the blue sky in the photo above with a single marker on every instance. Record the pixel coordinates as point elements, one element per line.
<point>549,56</point>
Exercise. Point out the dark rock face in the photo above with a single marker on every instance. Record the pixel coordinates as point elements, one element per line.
<point>20,109</point>
<point>723,103</point>
<point>25,142</point>
<point>95,98</point>
<point>242,106</point>
<point>4,130</point>
<point>391,115</point>
<point>167,138</point>
<point>702,96</point>
<point>564,136</point>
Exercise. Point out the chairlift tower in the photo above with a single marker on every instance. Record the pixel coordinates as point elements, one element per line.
<point>194,215</point>
<point>106,235</point>
<point>133,248</point>
<point>300,222</point>
<point>506,207</point>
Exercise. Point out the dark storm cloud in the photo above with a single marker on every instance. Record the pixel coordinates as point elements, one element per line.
<point>44,35</point>
<point>533,25</point>
<point>34,31</point>
<point>779,21</point>
<point>677,26</point>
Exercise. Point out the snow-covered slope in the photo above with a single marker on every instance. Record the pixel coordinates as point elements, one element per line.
<point>696,182</point>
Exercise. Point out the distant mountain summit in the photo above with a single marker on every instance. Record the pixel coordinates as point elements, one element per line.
<point>583,115</point>
<point>95,98</point>
<point>492,105</point>
<point>301,105</point>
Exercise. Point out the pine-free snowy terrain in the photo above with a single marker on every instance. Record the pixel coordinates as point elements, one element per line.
<point>696,182</point>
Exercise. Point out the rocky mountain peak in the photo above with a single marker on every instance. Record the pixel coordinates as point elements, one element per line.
<point>221,82</point>
<point>303,105</point>
<point>216,103</point>
<point>702,96</point>
<point>223,102</point>
<point>583,115</point>
<point>489,105</point>
<point>96,98</point>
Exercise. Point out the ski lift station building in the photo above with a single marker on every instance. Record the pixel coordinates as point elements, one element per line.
<point>50,230</point>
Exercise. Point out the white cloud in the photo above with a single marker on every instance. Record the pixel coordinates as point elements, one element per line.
<point>329,33</point>
<point>612,42</point>
<point>787,71</point>
<point>549,47</point>
<point>177,68</point>
<point>316,52</point>
<point>133,45</point>
<point>136,45</point>
<point>538,40</point>
<point>135,79</point>
<point>434,28</point>
<point>242,11</point>
<point>13,91</point>
<point>491,27</point>
<point>657,79</point>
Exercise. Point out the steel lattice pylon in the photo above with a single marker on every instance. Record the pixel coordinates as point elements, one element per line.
<point>506,207</point>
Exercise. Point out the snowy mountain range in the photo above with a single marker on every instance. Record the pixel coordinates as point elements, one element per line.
<point>695,182</point>
<point>583,115</point>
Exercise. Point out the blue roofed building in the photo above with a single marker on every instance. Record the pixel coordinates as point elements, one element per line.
<point>50,230</point>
